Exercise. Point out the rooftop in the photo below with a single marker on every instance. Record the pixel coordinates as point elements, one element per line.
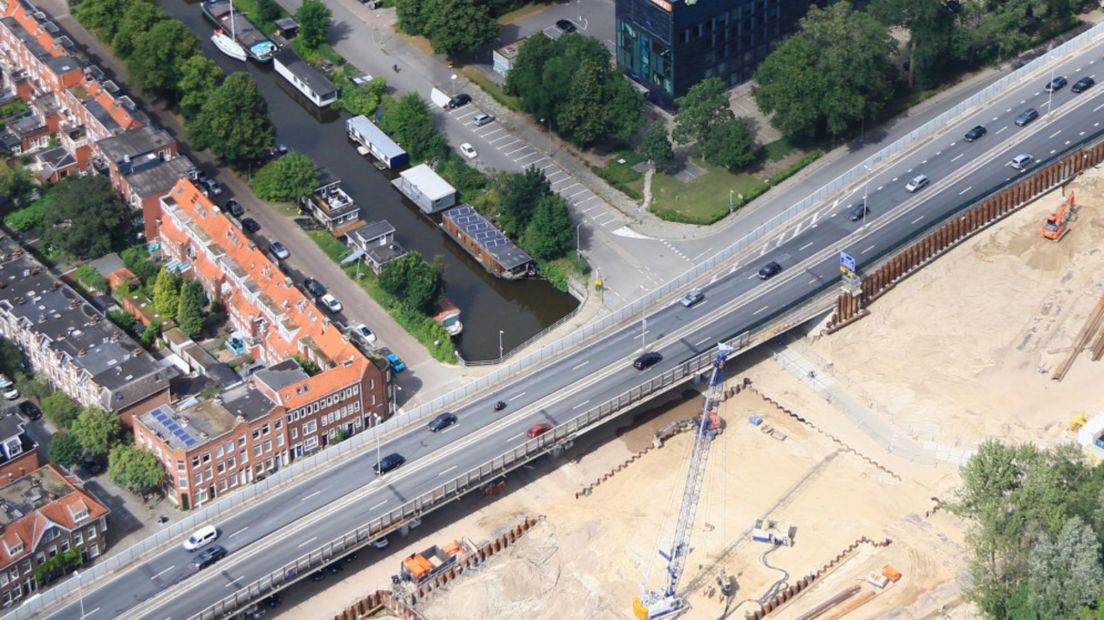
<point>193,422</point>
<point>31,492</point>
<point>10,424</point>
<point>428,182</point>
<point>311,77</point>
<point>281,375</point>
<point>61,65</point>
<point>477,228</point>
<point>370,232</point>
<point>34,504</point>
<point>134,143</point>
<point>159,179</point>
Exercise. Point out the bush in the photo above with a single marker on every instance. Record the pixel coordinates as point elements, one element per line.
<point>59,409</point>
<point>792,169</point>
<point>29,217</point>
<point>149,335</point>
<point>136,259</point>
<point>90,278</point>
<point>65,450</point>
<point>123,319</point>
<point>619,176</point>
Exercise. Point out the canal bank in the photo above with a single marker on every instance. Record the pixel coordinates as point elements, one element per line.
<point>519,310</point>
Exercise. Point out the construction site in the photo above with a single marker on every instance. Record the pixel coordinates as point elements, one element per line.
<point>816,475</point>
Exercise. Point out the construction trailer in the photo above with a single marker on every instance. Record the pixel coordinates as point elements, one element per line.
<point>767,531</point>
<point>421,566</point>
<point>1057,223</point>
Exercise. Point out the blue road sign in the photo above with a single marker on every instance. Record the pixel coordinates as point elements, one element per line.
<point>847,261</point>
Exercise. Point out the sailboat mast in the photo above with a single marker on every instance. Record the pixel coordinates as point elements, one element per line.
<point>233,32</point>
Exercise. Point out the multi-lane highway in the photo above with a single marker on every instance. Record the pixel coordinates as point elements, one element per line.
<point>166,585</point>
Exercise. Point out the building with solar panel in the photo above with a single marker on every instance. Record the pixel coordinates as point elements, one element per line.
<point>487,244</point>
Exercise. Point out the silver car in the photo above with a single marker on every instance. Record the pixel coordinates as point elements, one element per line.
<point>917,183</point>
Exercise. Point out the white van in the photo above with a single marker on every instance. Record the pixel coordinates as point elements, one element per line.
<point>200,537</point>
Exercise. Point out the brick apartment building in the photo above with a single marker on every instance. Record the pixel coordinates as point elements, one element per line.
<point>42,514</point>
<point>70,344</point>
<point>278,413</point>
<point>18,452</point>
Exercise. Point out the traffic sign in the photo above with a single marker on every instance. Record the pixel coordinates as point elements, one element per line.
<point>848,261</point>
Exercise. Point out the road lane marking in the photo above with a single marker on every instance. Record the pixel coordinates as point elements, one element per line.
<point>239,531</point>
<point>702,255</point>
<point>1052,136</point>
<point>1001,129</point>
<point>781,238</point>
<point>956,157</point>
<point>1097,108</point>
<point>918,219</point>
<point>306,497</point>
<point>966,190</point>
<point>802,248</point>
<point>580,404</point>
<point>97,609</point>
<point>702,341</point>
<point>445,471</point>
<point>763,251</point>
<point>760,310</point>
<point>515,437</point>
<point>580,365</point>
<point>879,188</point>
<point>234,583</point>
<point>867,250</point>
<point>517,396</point>
<point>377,505</point>
<point>307,542</point>
<point>163,572</point>
<point>813,281</point>
<point>754,275</point>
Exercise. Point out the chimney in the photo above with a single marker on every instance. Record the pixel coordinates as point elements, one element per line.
<point>80,352</point>
<point>56,284</point>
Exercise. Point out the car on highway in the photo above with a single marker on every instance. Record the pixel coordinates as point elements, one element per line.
<point>770,270</point>
<point>1055,85</point>
<point>1026,117</point>
<point>279,250</point>
<point>250,225</point>
<point>482,119</point>
<point>1021,161</point>
<point>566,25</point>
<point>691,298</point>
<point>537,430</point>
<point>314,287</point>
<point>200,537</point>
<point>30,410</point>
<point>396,363</point>
<point>209,556</point>
<point>468,151</point>
<point>1083,84</point>
<point>331,303</point>
<point>361,332</point>
<point>234,208</point>
<point>647,360</point>
<point>858,211</point>
<point>388,463</point>
<point>917,183</point>
<point>975,133</point>
<point>442,422</point>
<point>458,101</point>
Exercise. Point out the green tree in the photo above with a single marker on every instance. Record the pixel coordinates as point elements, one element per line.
<point>413,15</point>
<point>96,430</point>
<point>89,277</point>
<point>268,10</point>
<point>731,145</point>
<point>134,468</point>
<point>409,122</point>
<point>703,109</point>
<point>314,19</point>
<point>59,409</point>
<point>456,26</point>
<point>931,25</point>
<point>85,219</point>
<point>365,98</point>
<point>166,293</point>
<point>550,234</point>
<point>65,449</point>
<point>199,79</point>
<point>101,16</point>
<point>286,179</point>
<point>136,259</point>
<point>582,117</point>
<point>29,217</point>
<point>190,313</point>
<point>416,283</point>
<point>139,17</point>
<point>149,335</point>
<point>656,146</point>
<point>526,77</point>
<point>624,107</point>
<point>11,358</point>
<point>829,77</point>
<point>234,122</point>
<point>16,182</point>
<point>1064,571</point>
<point>123,319</point>
<point>521,191</point>
<point>159,56</point>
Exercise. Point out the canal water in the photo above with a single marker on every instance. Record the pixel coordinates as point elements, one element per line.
<point>520,308</point>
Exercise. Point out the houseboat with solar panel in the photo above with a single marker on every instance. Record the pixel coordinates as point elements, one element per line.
<point>487,244</point>
<point>251,39</point>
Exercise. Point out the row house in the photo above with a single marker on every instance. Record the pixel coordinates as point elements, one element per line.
<point>18,452</point>
<point>43,514</point>
<point>278,325</point>
<point>69,343</point>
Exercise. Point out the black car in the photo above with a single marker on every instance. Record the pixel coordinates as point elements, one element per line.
<point>29,410</point>
<point>647,360</point>
<point>209,556</point>
<point>250,225</point>
<point>459,100</point>
<point>1055,85</point>
<point>769,270</point>
<point>1027,116</point>
<point>233,207</point>
<point>1083,84</point>
<point>858,211</point>
<point>975,133</point>
<point>314,287</point>
<point>565,25</point>
<point>387,463</point>
<point>442,422</point>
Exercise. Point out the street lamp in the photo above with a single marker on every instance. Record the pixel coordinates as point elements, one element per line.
<point>500,332</point>
<point>549,119</point>
<point>80,591</point>
<point>1050,87</point>
<point>452,89</point>
<point>578,239</point>
<point>866,194</point>
<point>376,419</point>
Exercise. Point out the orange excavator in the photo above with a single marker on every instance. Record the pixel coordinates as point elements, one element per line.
<point>1056,223</point>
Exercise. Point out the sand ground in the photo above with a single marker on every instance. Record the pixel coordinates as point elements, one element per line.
<point>958,353</point>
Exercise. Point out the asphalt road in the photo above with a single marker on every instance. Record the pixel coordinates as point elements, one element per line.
<point>167,586</point>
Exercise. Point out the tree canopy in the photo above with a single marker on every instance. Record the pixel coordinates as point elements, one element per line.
<point>656,146</point>
<point>190,309</point>
<point>521,191</point>
<point>415,282</point>
<point>452,26</point>
<point>550,233</point>
<point>233,122</point>
<point>314,19</point>
<point>199,79</point>
<point>16,182</point>
<point>96,430</point>
<point>138,17</point>
<point>57,408</point>
<point>166,292</point>
<point>731,144</point>
<point>286,179</point>
<point>85,219</point>
<point>65,449</point>
<point>704,108</point>
<point>134,468</point>
<point>409,122</point>
<point>159,56</point>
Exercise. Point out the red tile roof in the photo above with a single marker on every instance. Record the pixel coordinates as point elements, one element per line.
<point>27,530</point>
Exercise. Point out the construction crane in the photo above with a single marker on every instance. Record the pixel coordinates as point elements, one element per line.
<point>1056,223</point>
<point>666,603</point>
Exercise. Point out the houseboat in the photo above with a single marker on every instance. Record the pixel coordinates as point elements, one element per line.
<point>305,78</point>
<point>331,205</point>
<point>251,39</point>
<point>487,244</point>
<point>448,315</point>
<point>371,140</point>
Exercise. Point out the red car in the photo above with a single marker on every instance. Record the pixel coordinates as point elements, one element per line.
<point>538,429</point>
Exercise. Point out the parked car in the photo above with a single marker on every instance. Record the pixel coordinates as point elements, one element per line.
<point>482,119</point>
<point>975,133</point>
<point>858,211</point>
<point>331,303</point>
<point>770,270</point>
<point>537,430</point>
<point>250,225</point>
<point>1083,84</point>
<point>692,298</point>
<point>1027,116</point>
<point>210,187</point>
<point>917,183</point>
<point>209,556</point>
<point>1055,85</point>
<point>314,287</point>
<point>381,543</point>
<point>5,382</point>
<point>361,332</point>
<point>1021,161</point>
<point>458,101</point>
<point>278,150</point>
<point>647,360</point>
<point>565,25</point>
<point>11,393</point>
<point>279,250</point>
<point>442,422</point>
<point>200,537</point>
<point>30,410</point>
<point>468,151</point>
<point>234,208</point>
<point>397,365</point>
<point>388,463</point>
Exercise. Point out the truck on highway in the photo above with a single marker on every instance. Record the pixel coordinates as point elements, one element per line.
<point>421,566</point>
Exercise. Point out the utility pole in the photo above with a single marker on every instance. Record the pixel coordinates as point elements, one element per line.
<point>500,332</point>
<point>376,422</point>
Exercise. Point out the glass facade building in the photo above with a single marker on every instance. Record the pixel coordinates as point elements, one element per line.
<point>668,46</point>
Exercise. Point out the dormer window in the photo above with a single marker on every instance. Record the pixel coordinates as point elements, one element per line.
<point>79,514</point>
<point>14,550</point>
